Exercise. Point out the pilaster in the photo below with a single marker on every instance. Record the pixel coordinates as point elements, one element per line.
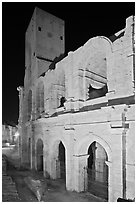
<point>69,134</point>
<point>81,172</point>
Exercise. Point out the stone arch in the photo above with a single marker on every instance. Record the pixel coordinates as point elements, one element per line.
<point>93,44</point>
<point>39,154</point>
<point>55,142</point>
<point>97,171</point>
<point>94,65</point>
<point>81,161</point>
<point>83,145</point>
<point>57,167</point>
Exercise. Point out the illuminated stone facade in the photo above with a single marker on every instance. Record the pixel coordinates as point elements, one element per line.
<point>8,133</point>
<point>85,102</point>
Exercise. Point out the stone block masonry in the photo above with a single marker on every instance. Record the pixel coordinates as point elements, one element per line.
<point>79,117</point>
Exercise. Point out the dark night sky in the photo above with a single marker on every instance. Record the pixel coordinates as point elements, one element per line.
<point>82,22</point>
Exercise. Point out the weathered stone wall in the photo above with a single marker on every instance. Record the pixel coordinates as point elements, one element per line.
<point>122,63</point>
<point>77,132</point>
<point>108,120</point>
<point>8,133</point>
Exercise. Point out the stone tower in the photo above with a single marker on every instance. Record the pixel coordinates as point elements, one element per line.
<point>44,41</point>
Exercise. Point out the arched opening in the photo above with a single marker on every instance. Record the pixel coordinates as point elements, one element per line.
<point>39,155</point>
<point>96,75</point>
<point>61,158</point>
<point>97,171</point>
<point>58,163</point>
<point>95,63</point>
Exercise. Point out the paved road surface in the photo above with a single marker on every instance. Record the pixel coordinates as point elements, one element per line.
<point>55,192</point>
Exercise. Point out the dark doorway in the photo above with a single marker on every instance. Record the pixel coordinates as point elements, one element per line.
<point>41,163</point>
<point>97,171</point>
<point>39,155</point>
<point>91,162</point>
<point>62,161</point>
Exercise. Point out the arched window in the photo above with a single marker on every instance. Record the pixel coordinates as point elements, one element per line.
<point>95,65</point>
<point>61,158</point>
<point>96,75</point>
<point>29,104</point>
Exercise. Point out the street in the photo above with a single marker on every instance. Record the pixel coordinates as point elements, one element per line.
<point>54,191</point>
